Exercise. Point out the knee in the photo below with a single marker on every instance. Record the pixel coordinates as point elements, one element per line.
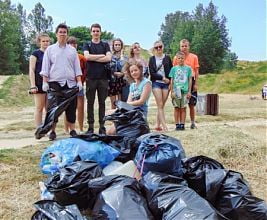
<point>39,108</point>
<point>160,105</point>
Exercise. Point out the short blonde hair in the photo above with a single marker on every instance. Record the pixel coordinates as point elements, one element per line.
<point>39,37</point>
<point>184,41</point>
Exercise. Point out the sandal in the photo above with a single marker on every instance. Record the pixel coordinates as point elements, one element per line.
<point>158,129</point>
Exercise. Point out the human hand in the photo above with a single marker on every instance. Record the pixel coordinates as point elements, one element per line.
<point>80,85</point>
<point>188,95</point>
<point>118,74</point>
<point>33,90</point>
<point>166,80</point>
<point>172,95</point>
<point>45,87</point>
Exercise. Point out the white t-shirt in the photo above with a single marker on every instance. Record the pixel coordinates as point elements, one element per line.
<point>161,72</point>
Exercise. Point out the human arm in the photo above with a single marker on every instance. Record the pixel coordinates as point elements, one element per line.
<point>45,70</point>
<point>106,58</point>
<point>92,57</point>
<point>144,96</point>
<point>32,65</point>
<point>196,79</point>
<point>171,89</point>
<point>189,87</point>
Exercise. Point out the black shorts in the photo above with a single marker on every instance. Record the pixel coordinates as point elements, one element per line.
<point>193,99</point>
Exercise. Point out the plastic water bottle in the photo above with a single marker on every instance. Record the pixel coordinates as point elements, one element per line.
<point>177,92</point>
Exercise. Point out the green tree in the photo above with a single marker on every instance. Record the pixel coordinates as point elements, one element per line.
<point>38,23</point>
<point>9,37</point>
<point>206,32</point>
<point>82,33</point>
<point>23,46</point>
<point>173,22</point>
<point>210,40</point>
<point>230,60</point>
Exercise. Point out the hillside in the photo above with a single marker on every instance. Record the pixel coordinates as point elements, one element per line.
<point>246,78</point>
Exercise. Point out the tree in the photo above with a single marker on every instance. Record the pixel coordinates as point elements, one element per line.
<point>230,60</point>
<point>82,34</point>
<point>206,32</point>
<point>39,23</point>
<point>172,22</point>
<point>10,38</point>
<point>38,20</point>
<point>23,43</point>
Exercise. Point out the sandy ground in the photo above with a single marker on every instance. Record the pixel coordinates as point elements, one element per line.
<point>17,129</point>
<point>17,125</point>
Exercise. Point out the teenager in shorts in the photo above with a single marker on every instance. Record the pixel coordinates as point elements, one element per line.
<point>192,61</point>
<point>181,82</point>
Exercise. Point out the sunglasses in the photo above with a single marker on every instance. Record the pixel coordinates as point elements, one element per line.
<point>158,47</point>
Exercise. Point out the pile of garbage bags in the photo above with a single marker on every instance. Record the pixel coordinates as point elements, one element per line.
<point>139,177</point>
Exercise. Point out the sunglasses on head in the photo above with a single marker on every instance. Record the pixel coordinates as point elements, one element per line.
<point>158,47</point>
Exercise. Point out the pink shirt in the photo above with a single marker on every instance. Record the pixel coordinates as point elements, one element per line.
<point>61,64</point>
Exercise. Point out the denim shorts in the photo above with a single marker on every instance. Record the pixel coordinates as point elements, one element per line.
<point>158,85</point>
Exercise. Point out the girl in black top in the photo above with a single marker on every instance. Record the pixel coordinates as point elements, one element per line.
<point>36,80</point>
<point>159,67</point>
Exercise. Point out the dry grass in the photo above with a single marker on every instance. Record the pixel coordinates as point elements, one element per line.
<point>236,138</point>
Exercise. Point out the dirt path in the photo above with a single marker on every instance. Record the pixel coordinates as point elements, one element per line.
<point>17,125</point>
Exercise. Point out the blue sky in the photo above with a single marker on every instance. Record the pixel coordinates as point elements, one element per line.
<point>140,20</point>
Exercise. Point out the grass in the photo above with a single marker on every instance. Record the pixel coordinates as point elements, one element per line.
<point>236,137</point>
<point>14,92</point>
<point>247,78</point>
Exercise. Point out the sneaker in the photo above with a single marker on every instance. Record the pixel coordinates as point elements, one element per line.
<point>182,127</point>
<point>90,131</point>
<point>193,126</point>
<point>102,130</point>
<point>178,127</point>
<point>73,133</point>
<point>52,135</point>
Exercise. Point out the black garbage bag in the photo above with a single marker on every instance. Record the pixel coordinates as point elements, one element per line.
<point>169,198</point>
<point>125,145</point>
<point>235,200</point>
<point>159,153</point>
<point>204,175</point>
<point>58,101</point>
<point>70,185</point>
<point>128,120</point>
<point>118,197</point>
<point>50,210</point>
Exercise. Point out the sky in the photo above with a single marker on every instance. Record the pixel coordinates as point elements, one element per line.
<point>140,20</point>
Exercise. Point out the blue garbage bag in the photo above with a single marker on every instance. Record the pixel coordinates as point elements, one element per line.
<point>159,153</point>
<point>64,152</point>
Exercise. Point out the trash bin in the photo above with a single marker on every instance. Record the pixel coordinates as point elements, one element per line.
<point>212,104</point>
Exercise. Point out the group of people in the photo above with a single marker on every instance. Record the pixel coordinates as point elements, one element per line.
<point>108,72</point>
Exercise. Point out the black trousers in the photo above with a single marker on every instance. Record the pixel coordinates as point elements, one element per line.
<point>59,96</point>
<point>101,87</point>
